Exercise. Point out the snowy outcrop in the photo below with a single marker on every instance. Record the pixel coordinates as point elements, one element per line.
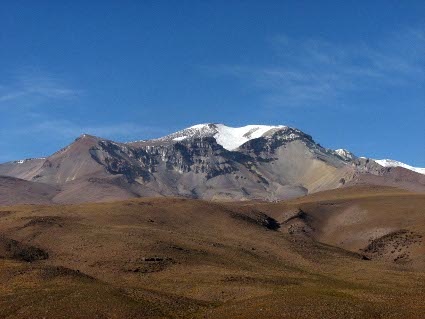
<point>393,163</point>
<point>345,154</point>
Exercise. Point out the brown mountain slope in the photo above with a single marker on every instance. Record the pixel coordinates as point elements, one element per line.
<point>180,258</point>
<point>15,190</point>
<point>24,169</point>
<point>70,163</point>
<point>393,177</point>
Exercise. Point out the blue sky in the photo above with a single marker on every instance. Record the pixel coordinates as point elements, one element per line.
<point>350,73</point>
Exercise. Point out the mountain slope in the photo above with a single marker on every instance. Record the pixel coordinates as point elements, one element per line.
<point>23,169</point>
<point>15,190</point>
<point>209,161</point>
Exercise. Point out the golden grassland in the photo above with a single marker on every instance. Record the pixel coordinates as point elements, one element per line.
<point>327,255</point>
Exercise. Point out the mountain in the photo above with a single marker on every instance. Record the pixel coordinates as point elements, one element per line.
<point>209,161</point>
<point>393,163</point>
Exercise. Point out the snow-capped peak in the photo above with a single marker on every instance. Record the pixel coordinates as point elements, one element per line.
<point>345,154</point>
<point>228,137</point>
<point>393,163</point>
<point>233,137</point>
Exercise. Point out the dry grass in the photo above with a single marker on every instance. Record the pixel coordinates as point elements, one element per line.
<point>177,258</point>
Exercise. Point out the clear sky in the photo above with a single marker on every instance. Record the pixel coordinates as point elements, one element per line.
<point>350,73</point>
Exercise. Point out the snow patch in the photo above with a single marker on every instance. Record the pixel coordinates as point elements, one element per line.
<point>28,159</point>
<point>180,138</point>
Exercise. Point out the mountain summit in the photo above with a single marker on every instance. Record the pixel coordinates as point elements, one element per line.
<point>228,137</point>
<point>209,161</point>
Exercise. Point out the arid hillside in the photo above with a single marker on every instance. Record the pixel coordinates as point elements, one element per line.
<point>383,223</point>
<point>353,252</point>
